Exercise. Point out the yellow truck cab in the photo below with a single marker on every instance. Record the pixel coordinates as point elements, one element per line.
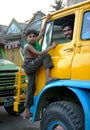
<point>65,103</point>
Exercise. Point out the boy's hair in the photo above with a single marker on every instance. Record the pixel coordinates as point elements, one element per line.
<point>29,31</point>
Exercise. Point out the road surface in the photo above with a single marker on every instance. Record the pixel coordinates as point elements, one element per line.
<point>9,122</point>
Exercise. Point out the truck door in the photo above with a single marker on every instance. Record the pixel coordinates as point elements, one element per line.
<point>81,61</point>
<point>63,53</point>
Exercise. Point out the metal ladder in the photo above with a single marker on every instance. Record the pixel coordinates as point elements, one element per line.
<point>20,87</point>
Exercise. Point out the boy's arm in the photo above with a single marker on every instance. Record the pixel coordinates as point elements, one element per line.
<point>39,53</point>
<point>43,28</point>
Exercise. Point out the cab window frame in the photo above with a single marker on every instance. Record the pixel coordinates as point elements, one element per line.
<point>55,22</point>
<point>84,26</point>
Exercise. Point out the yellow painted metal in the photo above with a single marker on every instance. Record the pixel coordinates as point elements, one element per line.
<point>1,100</point>
<point>73,64</point>
<point>19,97</point>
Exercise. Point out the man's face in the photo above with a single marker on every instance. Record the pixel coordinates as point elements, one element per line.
<point>68,32</point>
<point>31,38</point>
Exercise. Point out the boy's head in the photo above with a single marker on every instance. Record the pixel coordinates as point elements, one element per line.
<point>31,35</point>
<point>31,31</point>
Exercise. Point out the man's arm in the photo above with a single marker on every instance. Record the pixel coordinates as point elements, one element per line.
<point>43,28</point>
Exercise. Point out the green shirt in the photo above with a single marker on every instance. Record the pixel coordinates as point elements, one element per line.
<point>37,46</point>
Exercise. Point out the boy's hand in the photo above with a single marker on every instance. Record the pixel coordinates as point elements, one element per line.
<point>48,17</point>
<point>54,44</point>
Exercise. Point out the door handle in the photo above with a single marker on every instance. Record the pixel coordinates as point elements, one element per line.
<point>68,49</point>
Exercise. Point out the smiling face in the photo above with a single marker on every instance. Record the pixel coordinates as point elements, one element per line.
<point>68,32</point>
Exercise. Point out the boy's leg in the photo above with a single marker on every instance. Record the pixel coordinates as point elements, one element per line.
<point>29,94</point>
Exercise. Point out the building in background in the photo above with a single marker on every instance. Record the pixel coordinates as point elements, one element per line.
<point>13,36</point>
<point>36,21</point>
<point>72,2</point>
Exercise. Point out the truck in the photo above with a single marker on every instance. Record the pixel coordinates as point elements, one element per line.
<point>64,103</point>
<point>7,80</point>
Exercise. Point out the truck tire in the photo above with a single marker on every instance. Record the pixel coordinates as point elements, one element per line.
<point>62,116</point>
<point>10,110</point>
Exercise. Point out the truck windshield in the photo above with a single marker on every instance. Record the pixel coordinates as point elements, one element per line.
<point>85,34</point>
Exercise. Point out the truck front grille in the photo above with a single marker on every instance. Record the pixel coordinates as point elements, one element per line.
<point>7,78</point>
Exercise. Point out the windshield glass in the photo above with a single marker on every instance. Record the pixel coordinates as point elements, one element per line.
<point>85,34</point>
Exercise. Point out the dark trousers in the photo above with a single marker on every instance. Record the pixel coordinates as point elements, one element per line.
<point>30,69</point>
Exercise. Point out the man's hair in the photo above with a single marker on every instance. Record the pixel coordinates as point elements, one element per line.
<point>67,24</point>
<point>29,31</point>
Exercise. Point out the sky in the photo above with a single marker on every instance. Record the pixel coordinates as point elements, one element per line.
<point>22,10</point>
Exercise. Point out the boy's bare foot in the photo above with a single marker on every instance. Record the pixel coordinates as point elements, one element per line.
<point>27,113</point>
<point>51,79</point>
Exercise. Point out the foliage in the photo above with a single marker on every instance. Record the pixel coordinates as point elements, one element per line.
<point>58,5</point>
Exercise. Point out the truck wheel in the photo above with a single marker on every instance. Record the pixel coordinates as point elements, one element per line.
<point>62,116</point>
<point>10,111</point>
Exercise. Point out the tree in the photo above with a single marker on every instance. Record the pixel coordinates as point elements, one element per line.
<point>58,5</point>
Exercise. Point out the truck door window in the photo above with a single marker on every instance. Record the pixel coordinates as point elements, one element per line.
<point>85,33</point>
<point>60,34</point>
<point>54,32</point>
<point>47,35</point>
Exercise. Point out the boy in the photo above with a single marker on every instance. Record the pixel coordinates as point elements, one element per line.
<point>33,60</point>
